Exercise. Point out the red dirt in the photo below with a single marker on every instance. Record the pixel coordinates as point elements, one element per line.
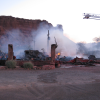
<point>73,83</point>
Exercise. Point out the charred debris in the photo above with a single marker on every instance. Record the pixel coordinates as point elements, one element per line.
<point>35,55</point>
<point>42,58</point>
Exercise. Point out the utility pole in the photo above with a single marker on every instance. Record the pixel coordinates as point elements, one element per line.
<point>43,50</point>
<point>48,38</point>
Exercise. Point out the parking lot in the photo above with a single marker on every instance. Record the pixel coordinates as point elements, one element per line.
<point>69,82</point>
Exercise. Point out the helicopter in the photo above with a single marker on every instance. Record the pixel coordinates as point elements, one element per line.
<point>91,16</point>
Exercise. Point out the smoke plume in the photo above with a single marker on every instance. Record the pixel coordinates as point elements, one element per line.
<point>86,49</point>
<point>21,42</point>
<point>65,46</point>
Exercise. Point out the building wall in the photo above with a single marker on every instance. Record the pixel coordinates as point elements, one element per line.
<point>10,52</point>
<point>53,47</point>
<point>36,63</point>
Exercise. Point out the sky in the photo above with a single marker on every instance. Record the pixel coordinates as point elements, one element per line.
<point>68,13</point>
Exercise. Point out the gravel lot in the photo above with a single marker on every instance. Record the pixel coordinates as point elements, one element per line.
<point>65,83</point>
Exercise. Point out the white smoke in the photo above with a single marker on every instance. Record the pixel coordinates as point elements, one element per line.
<point>21,42</point>
<point>86,49</point>
<point>65,45</point>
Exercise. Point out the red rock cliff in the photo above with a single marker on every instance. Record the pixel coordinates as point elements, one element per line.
<point>8,23</point>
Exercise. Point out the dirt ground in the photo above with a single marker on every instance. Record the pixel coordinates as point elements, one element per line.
<point>65,83</point>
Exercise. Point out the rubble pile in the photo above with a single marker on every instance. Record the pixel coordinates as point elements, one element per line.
<point>35,55</point>
<point>76,61</point>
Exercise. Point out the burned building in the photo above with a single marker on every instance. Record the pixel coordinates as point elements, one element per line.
<point>39,58</point>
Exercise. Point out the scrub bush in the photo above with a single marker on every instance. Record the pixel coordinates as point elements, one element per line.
<point>10,64</point>
<point>28,65</point>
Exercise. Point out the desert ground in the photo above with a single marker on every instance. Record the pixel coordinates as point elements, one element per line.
<point>69,82</point>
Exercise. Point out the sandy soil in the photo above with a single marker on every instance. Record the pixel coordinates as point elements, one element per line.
<point>65,83</point>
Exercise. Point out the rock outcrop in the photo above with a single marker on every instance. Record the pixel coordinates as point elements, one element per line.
<point>8,23</point>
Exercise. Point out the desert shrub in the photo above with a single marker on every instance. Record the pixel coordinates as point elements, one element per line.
<point>28,65</point>
<point>10,64</point>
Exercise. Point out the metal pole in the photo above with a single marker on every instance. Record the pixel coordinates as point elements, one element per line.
<point>34,44</point>
<point>48,42</point>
